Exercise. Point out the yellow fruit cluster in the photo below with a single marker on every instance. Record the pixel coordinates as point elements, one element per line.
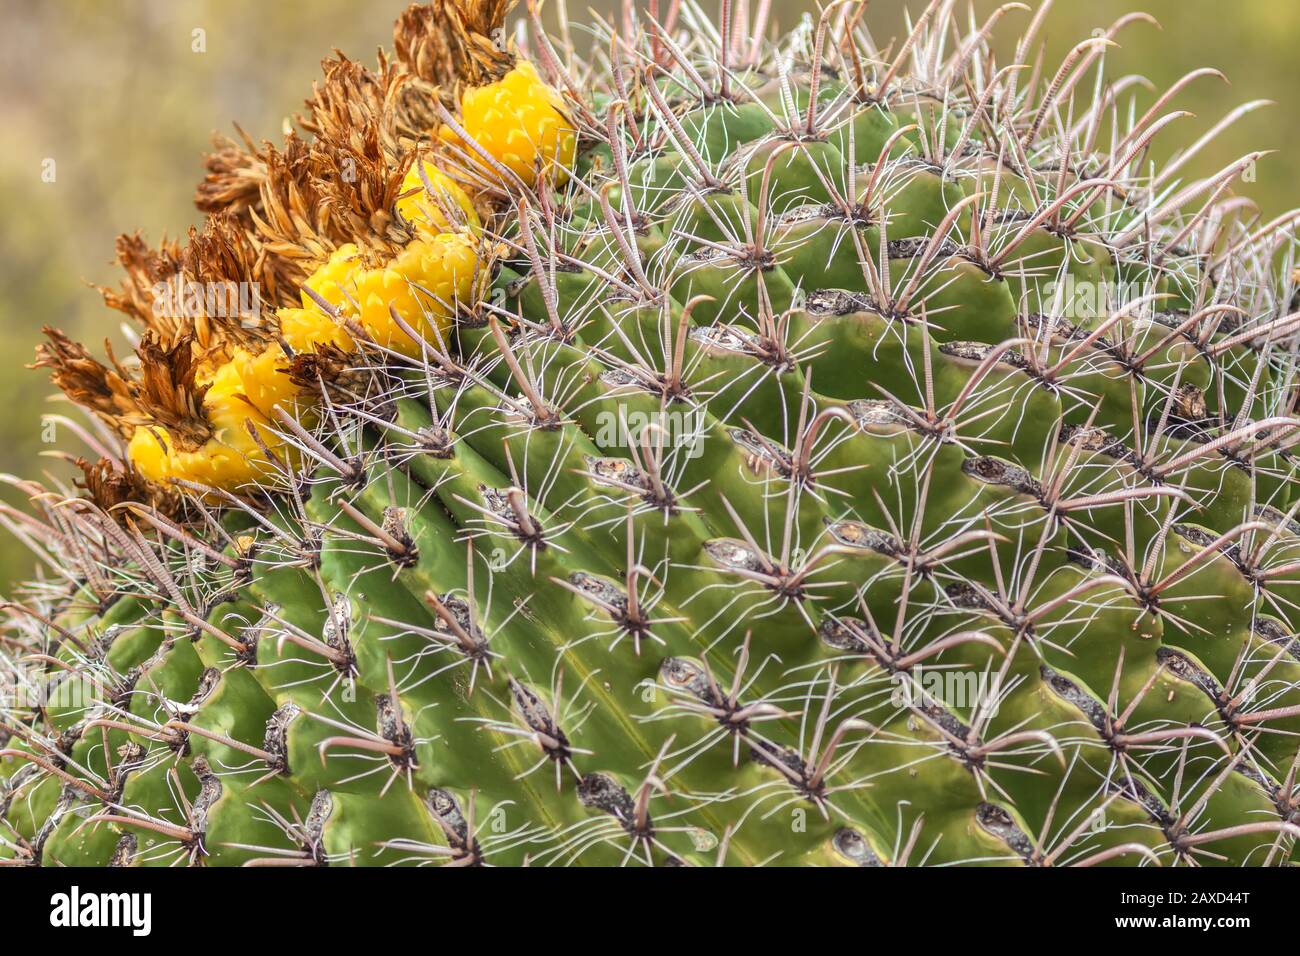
<point>423,283</point>
<point>440,206</point>
<point>519,122</point>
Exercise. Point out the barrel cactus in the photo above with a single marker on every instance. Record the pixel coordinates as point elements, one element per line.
<point>722,448</point>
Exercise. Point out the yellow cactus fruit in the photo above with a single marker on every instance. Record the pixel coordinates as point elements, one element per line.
<point>263,379</point>
<point>230,459</point>
<point>424,283</point>
<point>520,121</point>
<point>246,388</point>
<point>308,329</point>
<point>444,209</point>
<point>332,279</point>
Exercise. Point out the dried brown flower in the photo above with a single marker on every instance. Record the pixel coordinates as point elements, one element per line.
<point>168,394</point>
<point>110,484</point>
<point>108,392</point>
<point>451,43</point>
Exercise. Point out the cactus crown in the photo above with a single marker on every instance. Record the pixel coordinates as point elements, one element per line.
<point>722,450</point>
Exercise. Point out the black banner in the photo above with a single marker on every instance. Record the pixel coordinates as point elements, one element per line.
<point>325,906</point>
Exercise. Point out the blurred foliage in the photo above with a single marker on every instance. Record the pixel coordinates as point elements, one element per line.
<point>124,96</point>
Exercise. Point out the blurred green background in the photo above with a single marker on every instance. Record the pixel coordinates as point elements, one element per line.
<point>118,100</point>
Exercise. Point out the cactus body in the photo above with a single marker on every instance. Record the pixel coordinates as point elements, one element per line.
<point>760,453</point>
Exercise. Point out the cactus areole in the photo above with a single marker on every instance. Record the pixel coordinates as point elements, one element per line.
<point>720,447</point>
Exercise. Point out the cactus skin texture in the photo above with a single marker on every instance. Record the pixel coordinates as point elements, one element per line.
<point>834,457</point>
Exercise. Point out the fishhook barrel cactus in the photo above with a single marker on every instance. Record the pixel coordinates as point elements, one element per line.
<point>723,449</point>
